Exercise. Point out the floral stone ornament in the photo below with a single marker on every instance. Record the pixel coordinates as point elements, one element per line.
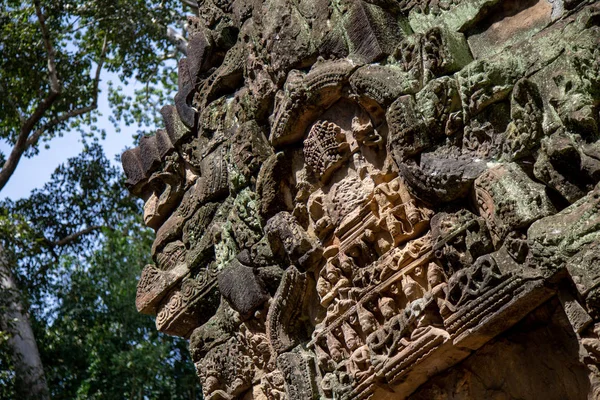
<point>381,200</point>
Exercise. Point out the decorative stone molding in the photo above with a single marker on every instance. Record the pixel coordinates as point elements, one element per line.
<point>367,199</point>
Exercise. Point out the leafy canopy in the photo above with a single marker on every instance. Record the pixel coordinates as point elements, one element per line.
<point>81,288</point>
<point>54,54</point>
<point>78,244</point>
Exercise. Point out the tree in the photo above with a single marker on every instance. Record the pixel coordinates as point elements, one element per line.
<point>53,56</point>
<point>81,287</point>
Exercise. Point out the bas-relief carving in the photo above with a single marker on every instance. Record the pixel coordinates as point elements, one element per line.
<point>351,197</point>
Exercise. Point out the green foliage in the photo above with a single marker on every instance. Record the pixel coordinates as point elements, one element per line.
<point>78,243</point>
<point>142,109</point>
<point>85,192</point>
<point>7,375</point>
<point>137,46</point>
<point>93,343</point>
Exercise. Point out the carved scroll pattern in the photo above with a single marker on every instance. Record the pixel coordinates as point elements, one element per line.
<point>349,198</point>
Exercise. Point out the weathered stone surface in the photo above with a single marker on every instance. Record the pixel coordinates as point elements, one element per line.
<point>249,149</point>
<point>149,154</point>
<point>134,170</point>
<point>175,128</point>
<point>537,358</point>
<point>199,54</point>
<point>381,200</point>
<point>372,31</point>
<point>273,185</point>
<point>240,286</point>
<point>508,199</point>
<point>163,142</point>
<point>509,22</point>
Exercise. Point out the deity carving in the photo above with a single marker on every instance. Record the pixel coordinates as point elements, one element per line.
<point>356,199</point>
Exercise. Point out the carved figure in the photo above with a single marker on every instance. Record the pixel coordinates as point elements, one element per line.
<point>351,197</point>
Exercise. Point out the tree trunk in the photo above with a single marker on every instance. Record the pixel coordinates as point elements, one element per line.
<point>30,379</point>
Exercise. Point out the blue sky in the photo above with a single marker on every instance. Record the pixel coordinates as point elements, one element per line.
<point>32,173</point>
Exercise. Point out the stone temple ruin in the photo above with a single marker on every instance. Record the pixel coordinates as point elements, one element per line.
<point>381,199</point>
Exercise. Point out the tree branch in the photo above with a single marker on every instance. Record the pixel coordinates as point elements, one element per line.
<point>24,140</point>
<point>192,4</point>
<point>178,40</point>
<point>101,61</point>
<point>21,144</point>
<point>55,88</point>
<point>71,238</point>
<point>32,141</point>
<point>63,242</point>
<point>55,85</point>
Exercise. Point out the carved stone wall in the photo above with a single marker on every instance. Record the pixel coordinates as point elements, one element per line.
<point>381,199</point>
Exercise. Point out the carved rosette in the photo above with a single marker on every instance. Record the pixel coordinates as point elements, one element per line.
<point>351,198</point>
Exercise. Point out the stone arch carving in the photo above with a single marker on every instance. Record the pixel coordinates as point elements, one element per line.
<point>350,197</point>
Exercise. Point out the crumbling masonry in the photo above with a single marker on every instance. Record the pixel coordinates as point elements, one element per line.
<point>381,199</point>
